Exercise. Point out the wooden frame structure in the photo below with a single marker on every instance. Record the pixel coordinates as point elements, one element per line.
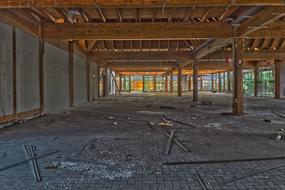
<point>161,36</point>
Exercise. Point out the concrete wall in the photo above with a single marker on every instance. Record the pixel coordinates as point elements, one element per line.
<point>56,78</point>
<point>6,78</point>
<point>27,48</point>
<point>80,80</point>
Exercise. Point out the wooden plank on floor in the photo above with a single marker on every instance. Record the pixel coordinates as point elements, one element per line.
<point>169,142</point>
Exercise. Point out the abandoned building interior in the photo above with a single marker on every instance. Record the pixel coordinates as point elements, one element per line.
<point>142,94</point>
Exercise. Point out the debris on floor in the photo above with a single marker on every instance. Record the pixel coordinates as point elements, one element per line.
<point>150,113</point>
<point>167,107</point>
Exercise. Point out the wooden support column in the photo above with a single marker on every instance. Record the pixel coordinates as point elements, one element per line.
<point>130,83</point>
<point>255,71</point>
<point>166,82</point>
<point>238,77</point>
<point>229,81</point>
<point>201,83</point>
<point>41,75</point>
<point>190,83</point>
<point>88,76</point>
<point>195,81</point>
<point>224,81</point>
<point>71,73</point>
<point>143,83</point>
<point>171,82</point>
<point>277,79</point>
<point>213,82</point>
<point>154,83</point>
<point>120,82</point>
<point>14,67</point>
<point>179,85</point>
<point>219,81</point>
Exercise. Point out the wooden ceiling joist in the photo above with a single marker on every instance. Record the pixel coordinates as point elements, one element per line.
<point>139,3</point>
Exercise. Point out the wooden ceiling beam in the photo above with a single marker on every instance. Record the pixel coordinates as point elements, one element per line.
<point>136,3</point>
<point>133,31</point>
<point>149,55</point>
<point>18,22</point>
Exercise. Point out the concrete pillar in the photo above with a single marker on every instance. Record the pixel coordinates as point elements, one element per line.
<point>71,73</point>
<point>238,78</point>
<point>171,82</point>
<point>277,79</point>
<point>179,85</point>
<point>97,82</point>
<point>195,81</point>
<point>105,83</point>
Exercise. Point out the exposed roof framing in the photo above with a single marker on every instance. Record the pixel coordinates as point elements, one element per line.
<point>120,3</point>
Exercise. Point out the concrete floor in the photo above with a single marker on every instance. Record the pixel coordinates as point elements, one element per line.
<point>96,152</point>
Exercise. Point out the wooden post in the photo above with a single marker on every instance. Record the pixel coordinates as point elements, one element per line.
<point>130,85</point>
<point>255,71</point>
<point>14,67</point>
<point>154,83</point>
<point>179,86</point>
<point>201,83</point>
<point>213,82</point>
<point>120,82</point>
<point>41,74</point>
<point>166,82</point>
<point>219,81</point>
<point>229,81</point>
<point>71,73</point>
<point>88,76</point>
<point>98,80</point>
<point>195,81</point>
<point>143,83</point>
<point>171,82</point>
<point>238,77</point>
<point>277,79</point>
<point>190,83</point>
<point>224,81</point>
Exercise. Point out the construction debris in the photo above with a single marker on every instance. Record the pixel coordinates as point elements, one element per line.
<point>203,186</point>
<point>176,142</point>
<point>206,103</point>
<point>165,123</point>
<point>253,174</point>
<point>169,142</point>
<point>151,125</point>
<point>29,152</point>
<point>27,160</point>
<point>279,114</point>
<point>180,122</point>
<point>223,161</point>
<point>167,107</point>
